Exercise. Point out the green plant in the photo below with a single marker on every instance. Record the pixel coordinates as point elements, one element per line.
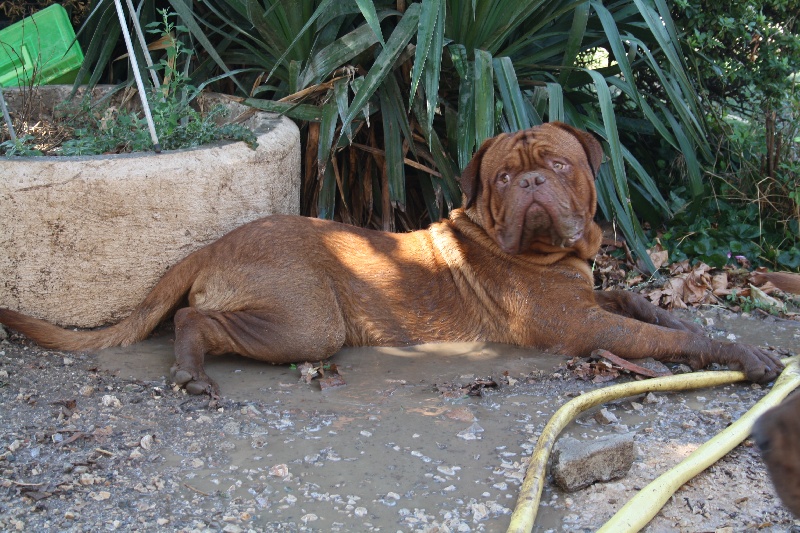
<point>97,129</point>
<point>748,304</point>
<point>398,95</point>
<point>730,232</point>
<point>19,147</point>
<point>746,56</point>
<point>177,124</point>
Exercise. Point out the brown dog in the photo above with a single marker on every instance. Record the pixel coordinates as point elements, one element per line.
<point>777,433</point>
<point>510,267</point>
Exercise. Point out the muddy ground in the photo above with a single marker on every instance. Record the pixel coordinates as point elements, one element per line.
<point>103,442</point>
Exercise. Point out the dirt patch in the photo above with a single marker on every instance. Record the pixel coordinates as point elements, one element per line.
<point>104,442</point>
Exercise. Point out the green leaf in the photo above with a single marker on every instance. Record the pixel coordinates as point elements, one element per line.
<point>385,61</point>
<point>427,26</point>
<point>367,8</point>
<point>515,106</point>
<point>311,113</point>
<point>576,34</point>
<point>617,45</point>
<point>465,141</point>
<point>393,150</point>
<point>340,90</point>
<point>337,54</point>
<point>555,97</point>
<point>187,16</point>
<point>327,131</point>
<point>433,66</point>
<point>317,12</point>
<point>483,96</point>
<point>326,201</point>
<point>689,155</point>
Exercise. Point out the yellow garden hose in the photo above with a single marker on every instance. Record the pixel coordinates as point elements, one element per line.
<point>638,512</point>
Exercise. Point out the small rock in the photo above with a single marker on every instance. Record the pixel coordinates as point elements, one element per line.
<point>232,428</point>
<point>650,398</point>
<point>360,512</point>
<point>86,390</point>
<point>233,528</point>
<point>462,414</point>
<point>578,464</point>
<point>69,515</point>
<point>471,433</point>
<point>717,413</point>
<point>605,417</point>
<point>100,496</point>
<point>68,361</point>
<point>279,470</point>
<point>109,400</point>
<point>162,521</point>
<point>448,470</point>
<point>146,442</point>
<point>479,512</point>
<point>136,454</point>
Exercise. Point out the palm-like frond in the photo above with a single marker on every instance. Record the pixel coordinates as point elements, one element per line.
<point>398,97</point>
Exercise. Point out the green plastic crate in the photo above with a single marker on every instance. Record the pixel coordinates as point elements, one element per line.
<point>41,47</point>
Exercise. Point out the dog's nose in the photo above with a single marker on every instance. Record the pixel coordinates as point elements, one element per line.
<point>537,179</point>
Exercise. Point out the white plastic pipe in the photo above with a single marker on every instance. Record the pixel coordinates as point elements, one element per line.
<point>139,84</point>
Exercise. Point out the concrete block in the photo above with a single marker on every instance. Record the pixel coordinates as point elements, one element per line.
<point>85,238</point>
<point>577,464</point>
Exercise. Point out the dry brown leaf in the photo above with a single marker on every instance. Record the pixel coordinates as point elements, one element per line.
<point>658,257</point>
<point>719,284</point>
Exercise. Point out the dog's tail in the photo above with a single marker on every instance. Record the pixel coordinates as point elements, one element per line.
<point>161,302</point>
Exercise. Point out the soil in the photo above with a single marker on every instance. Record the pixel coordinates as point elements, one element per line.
<point>103,442</point>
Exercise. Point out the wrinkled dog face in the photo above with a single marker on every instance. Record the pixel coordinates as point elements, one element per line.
<point>531,192</point>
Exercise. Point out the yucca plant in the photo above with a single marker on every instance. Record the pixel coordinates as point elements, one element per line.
<point>396,96</point>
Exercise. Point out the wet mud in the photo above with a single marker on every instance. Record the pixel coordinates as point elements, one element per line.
<point>388,451</point>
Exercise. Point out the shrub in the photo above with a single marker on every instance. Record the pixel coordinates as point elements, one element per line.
<point>747,56</point>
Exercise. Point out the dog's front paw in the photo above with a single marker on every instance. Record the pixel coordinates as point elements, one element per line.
<point>759,364</point>
<point>196,382</point>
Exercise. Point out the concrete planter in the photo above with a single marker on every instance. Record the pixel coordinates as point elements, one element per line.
<point>84,239</point>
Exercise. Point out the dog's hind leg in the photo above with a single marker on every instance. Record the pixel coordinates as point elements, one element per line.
<point>255,334</point>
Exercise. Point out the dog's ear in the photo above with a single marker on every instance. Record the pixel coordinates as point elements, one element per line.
<point>470,179</point>
<point>592,147</point>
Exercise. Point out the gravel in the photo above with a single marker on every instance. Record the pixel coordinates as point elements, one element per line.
<point>103,442</point>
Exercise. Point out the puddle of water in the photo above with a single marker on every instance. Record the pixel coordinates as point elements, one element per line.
<point>379,452</point>
<point>367,371</point>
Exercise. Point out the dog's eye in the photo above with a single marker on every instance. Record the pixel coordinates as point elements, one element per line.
<point>503,178</point>
<point>558,165</point>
